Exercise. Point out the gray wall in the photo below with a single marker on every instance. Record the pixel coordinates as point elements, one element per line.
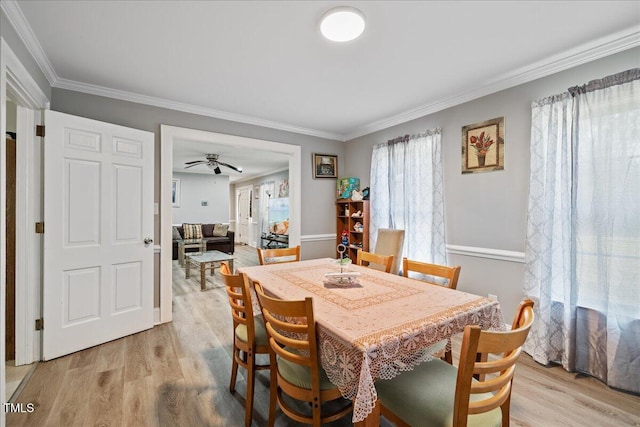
<point>196,188</point>
<point>488,210</point>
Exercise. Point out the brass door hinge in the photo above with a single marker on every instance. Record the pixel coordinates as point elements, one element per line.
<point>40,130</point>
<point>39,324</point>
<point>40,227</point>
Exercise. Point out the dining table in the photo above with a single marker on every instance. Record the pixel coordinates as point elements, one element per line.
<point>375,325</point>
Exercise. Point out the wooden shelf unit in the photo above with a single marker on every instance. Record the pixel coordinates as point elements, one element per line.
<point>357,239</point>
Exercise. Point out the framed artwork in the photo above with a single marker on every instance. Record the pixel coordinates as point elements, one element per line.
<point>483,146</point>
<point>175,192</point>
<point>283,188</point>
<point>325,166</point>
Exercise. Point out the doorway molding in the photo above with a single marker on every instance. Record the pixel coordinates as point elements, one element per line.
<point>168,135</point>
<point>18,85</point>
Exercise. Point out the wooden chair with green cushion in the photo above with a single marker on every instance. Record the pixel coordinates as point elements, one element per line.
<point>451,275</point>
<point>477,393</point>
<point>249,338</point>
<point>377,261</point>
<point>280,255</point>
<point>294,351</point>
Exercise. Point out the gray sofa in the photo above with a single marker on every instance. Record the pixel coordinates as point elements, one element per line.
<point>218,243</point>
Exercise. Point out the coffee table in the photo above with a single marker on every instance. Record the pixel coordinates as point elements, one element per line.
<point>206,261</point>
<point>185,244</point>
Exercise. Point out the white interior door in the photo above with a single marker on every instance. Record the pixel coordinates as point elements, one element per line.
<point>243,215</point>
<point>98,210</point>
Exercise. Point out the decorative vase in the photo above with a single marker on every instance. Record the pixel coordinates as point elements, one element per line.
<point>480,160</point>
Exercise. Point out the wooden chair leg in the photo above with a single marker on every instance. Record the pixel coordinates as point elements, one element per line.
<point>448,357</point>
<point>234,370</point>
<point>251,376</point>
<point>273,390</point>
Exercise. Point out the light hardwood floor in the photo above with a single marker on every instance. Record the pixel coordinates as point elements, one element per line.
<point>177,374</point>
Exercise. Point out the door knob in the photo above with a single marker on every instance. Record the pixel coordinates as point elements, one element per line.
<point>148,240</point>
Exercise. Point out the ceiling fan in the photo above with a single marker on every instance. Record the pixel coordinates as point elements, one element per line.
<point>213,163</point>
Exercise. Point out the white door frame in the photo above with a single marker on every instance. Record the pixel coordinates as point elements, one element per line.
<point>168,135</point>
<point>17,83</point>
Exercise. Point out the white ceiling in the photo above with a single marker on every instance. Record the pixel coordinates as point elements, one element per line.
<point>265,63</point>
<point>254,163</point>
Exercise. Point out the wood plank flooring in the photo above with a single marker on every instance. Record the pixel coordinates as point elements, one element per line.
<point>177,374</point>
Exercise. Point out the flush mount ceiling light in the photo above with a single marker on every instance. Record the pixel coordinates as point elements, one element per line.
<point>342,24</point>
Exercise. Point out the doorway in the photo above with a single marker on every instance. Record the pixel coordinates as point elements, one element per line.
<point>171,134</point>
<point>243,213</point>
<point>20,94</point>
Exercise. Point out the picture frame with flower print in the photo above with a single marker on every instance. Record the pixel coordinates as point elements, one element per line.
<point>483,146</point>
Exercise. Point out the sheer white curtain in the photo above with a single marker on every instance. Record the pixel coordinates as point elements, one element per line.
<point>583,237</point>
<point>407,193</point>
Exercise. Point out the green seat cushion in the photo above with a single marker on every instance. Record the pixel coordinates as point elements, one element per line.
<point>425,396</point>
<point>261,332</point>
<point>301,375</point>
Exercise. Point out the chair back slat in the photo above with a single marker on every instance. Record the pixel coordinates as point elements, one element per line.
<point>239,299</point>
<point>368,258</point>
<point>290,325</point>
<point>451,274</point>
<point>279,255</point>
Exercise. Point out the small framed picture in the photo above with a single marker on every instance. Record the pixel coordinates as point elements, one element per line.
<point>175,192</point>
<point>483,146</point>
<point>325,166</point>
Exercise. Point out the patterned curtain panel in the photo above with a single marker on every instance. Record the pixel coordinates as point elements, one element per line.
<point>407,193</point>
<point>583,235</point>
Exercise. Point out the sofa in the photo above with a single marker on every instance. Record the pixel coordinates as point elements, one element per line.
<point>224,243</point>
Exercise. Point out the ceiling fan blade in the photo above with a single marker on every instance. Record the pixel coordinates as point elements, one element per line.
<point>195,161</point>
<point>239,170</point>
<point>194,164</point>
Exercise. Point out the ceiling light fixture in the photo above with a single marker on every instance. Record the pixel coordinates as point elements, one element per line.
<point>342,24</point>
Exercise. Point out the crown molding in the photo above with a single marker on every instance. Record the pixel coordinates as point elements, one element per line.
<point>599,48</point>
<point>189,108</point>
<point>15,16</point>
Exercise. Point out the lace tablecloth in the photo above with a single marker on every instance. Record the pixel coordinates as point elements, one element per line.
<point>378,327</point>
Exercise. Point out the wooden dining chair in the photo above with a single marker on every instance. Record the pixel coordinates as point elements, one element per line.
<point>477,393</point>
<point>249,335</point>
<point>377,261</point>
<point>291,329</point>
<point>390,242</point>
<point>279,255</point>
<point>451,274</point>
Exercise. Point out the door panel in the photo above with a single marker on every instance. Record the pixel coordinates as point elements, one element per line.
<point>98,272</point>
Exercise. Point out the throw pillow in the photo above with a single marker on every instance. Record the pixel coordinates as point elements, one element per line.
<point>220,230</point>
<point>192,231</point>
<point>207,230</point>
<point>176,234</point>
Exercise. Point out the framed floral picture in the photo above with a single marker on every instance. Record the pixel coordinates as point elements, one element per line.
<point>325,166</point>
<point>483,146</point>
